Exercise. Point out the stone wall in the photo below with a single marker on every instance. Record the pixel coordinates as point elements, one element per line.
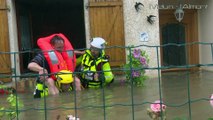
<point>136,23</point>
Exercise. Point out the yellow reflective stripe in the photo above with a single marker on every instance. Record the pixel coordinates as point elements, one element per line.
<point>91,61</point>
<point>43,91</point>
<point>93,68</point>
<point>85,59</point>
<point>39,86</point>
<point>90,86</point>
<point>94,84</point>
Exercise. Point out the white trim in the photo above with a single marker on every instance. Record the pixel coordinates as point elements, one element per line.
<point>87,25</point>
<point>13,36</point>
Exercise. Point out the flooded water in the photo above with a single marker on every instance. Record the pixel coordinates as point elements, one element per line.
<point>121,101</point>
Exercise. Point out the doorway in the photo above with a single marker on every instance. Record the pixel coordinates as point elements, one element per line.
<point>181,33</point>
<point>39,18</point>
<point>174,55</point>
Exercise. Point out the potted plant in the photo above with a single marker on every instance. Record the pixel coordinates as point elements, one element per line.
<point>157,110</point>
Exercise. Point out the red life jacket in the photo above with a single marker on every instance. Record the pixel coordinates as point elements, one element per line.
<point>58,61</point>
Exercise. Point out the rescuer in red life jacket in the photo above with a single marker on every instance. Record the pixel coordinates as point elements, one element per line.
<point>55,64</point>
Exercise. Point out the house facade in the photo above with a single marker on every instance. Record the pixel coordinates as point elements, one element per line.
<point>120,22</point>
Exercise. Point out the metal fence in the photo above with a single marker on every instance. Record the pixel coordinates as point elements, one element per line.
<point>16,110</point>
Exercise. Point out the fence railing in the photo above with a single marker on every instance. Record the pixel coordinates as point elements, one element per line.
<point>157,50</point>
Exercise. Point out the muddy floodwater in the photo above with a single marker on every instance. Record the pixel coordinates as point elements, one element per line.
<point>121,101</point>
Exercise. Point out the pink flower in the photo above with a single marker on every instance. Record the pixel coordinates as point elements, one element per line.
<point>70,117</point>
<point>143,60</point>
<point>156,106</point>
<point>135,74</point>
<point>211,101</point>
<point>136,53</point>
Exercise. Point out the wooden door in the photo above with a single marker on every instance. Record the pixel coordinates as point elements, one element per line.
<point>174,33</point>
<point>5,65</point>
<point>106,21</point>
<point>190,28</point>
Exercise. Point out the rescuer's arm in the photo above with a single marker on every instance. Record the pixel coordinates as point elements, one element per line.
<point>37,68</point>
<point>78,52</point>
<point>107,72</point>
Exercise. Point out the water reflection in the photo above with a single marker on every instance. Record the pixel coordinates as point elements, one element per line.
<point>116,102</point>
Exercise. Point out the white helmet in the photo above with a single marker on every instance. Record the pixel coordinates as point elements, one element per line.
<point>98,42</point>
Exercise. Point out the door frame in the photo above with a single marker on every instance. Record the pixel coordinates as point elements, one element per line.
<point>191,21</point>
<point>37,31</point>
<point>5,57</point>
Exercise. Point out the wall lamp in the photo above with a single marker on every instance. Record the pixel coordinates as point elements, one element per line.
<point>151,19</point>
<point>179,13</point>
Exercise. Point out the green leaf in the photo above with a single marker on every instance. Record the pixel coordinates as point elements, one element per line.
<point>2,112</point>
